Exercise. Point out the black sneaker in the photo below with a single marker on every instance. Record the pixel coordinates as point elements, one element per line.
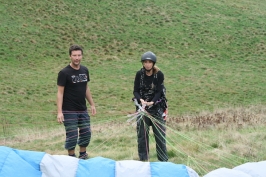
<point>84,157</point>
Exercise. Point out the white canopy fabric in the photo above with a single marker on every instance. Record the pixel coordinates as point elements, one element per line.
<point>250,169</point>
<point>21,163</point>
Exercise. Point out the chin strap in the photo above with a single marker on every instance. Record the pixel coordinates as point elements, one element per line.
<point>148,70</point>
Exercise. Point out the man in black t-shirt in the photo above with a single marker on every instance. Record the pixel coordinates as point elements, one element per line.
<point>72,94</point>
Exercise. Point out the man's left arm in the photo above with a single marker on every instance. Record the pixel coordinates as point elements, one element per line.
<point>90,100</point>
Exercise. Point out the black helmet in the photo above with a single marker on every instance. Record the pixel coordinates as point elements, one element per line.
<point>148,56</point>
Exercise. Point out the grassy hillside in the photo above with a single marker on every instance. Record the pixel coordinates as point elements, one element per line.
<point>211,52</point>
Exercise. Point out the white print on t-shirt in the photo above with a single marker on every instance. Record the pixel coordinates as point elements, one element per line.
<point>79,78</point>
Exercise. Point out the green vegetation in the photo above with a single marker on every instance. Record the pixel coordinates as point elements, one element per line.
<point>211,52</point>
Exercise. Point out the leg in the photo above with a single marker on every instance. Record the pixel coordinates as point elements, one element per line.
<point>84,132</point>
<point>143,138</point>
<point>82,149</point>
<point>71,152</point>
<point>159,130</point>
<point>71,127</point>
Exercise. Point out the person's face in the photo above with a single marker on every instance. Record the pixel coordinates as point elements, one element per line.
<point>148,64</point>
<point>76,57</point>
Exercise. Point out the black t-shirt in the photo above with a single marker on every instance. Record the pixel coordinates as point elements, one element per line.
<point>75,83</point>
<point>152,87</point>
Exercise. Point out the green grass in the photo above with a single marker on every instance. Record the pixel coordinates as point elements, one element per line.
<point>211,52</point>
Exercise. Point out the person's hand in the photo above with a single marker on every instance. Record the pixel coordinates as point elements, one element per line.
<point>60,118</point>
<point>143,103</point>
<point>149,103</point>
<point>93,110</point>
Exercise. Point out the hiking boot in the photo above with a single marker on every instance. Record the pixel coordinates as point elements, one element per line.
<point>84,157</point>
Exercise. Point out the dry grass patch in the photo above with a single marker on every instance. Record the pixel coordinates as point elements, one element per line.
<point>230,118</point>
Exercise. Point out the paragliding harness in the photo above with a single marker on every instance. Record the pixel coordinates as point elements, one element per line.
<point>163,100</point>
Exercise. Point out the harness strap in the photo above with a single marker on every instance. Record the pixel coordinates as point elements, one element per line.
<point>142,80</point>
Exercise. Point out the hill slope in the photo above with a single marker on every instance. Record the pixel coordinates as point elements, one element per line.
<point>212,52</point>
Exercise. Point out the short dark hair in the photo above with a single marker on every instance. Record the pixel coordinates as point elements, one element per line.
<point>75,47</point>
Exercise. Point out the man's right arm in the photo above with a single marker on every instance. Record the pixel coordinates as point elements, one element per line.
<point>60,94</point>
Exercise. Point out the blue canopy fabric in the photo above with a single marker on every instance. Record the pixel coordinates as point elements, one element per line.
<point>22,163</point>
<point>19,163</point>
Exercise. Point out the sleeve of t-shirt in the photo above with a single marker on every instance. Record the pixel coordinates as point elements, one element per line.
<point>88,74</point>
<point>61,79</point>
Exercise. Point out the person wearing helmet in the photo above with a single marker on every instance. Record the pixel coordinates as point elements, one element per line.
<point>148,90</point>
